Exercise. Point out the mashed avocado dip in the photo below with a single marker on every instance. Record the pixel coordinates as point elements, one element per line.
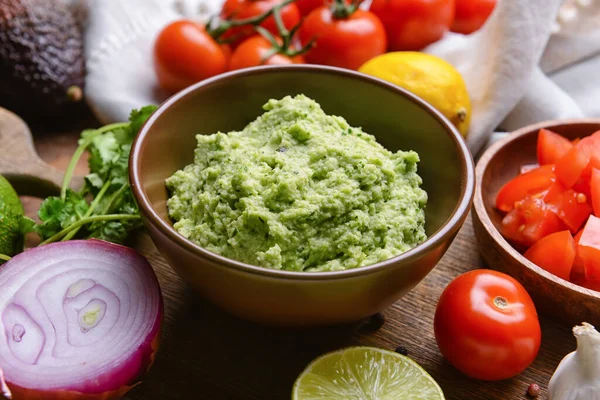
<point>299,190</point>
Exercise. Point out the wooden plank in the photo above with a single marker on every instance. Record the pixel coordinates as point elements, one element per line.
<point>207,354</point>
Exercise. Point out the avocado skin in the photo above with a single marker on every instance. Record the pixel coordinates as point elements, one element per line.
<point>41,57</point>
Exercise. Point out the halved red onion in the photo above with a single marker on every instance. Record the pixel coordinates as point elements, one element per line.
<point>78,320</point>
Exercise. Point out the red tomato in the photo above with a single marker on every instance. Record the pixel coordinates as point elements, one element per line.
<point>414,24</point>
<point>243,9</point>
<point>594,151</point>
<point>513,225</point>
<point>594,285</point>
<point>486,325</point>
<point>551,147</point>
<point>555,253</point>
<point>578,270</point>
<point>185,54</point>
<point>570,167</point>
<point>571,207</point>
<point>595,191</point>
<point>470,15</point>
<point>343,42</point>
<point>583,186</point>
<point>306,6</point>
<point>532,182</point>
<point>579,160</point>
<point>252,52</point>
<point>530,221</point>
<point>589,248</point>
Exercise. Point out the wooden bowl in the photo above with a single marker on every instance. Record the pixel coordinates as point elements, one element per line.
<point>555,297</point>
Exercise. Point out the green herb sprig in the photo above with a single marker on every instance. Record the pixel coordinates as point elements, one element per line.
<point>104,208</point>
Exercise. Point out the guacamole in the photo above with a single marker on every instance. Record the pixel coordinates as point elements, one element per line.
<point>299,190</point>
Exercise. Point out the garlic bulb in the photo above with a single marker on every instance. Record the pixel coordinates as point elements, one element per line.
<point>577,377</point>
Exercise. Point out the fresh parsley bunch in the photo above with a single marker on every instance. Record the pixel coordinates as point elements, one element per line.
<point>104,208</point>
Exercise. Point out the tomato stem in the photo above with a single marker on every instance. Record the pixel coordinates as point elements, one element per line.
<point>342,10</point>
<point>287,38</point>
<point>216,27</point>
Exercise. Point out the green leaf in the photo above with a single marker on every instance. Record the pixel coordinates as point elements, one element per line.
<point>86,134</point>
<point>108,147</point>
<point>138,117</point>
<point>49,213</point>
<point>94,180</point>
<point>27,225</point>
<point>57,214</point>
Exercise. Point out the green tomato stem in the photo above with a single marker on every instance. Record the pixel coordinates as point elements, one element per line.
<point>283,32</point>
<point>225,25</point>
<point>90,209</point>
<point>79,152</point>
<point>341,10</point>
<point>84,221</point>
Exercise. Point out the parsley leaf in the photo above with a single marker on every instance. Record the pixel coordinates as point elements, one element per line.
<point>104,208</point>
<point>57,214</point>
<point>137,118</point>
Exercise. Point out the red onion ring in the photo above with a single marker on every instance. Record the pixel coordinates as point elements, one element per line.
<point>80,320</point>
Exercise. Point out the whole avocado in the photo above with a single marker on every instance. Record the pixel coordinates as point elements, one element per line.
<point>42,67</point>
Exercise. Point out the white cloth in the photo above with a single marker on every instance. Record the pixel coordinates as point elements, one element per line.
<point>533,60</point>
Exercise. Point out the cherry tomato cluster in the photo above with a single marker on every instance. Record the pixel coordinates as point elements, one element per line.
<point>331,32</point>
<point>553,209</point>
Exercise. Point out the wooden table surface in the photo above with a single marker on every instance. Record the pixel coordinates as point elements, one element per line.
<point>207,354</point>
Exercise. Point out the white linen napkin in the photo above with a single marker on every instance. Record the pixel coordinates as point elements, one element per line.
<point>533,60</point>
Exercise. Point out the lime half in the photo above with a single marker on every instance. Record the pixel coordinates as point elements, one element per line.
<point>365,373</point>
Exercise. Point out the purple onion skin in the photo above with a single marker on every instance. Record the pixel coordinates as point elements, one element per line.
<point>112,383</point>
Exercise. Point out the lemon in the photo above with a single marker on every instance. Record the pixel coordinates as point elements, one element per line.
<point>11,212</point>
<point>429,77</point>
<point>365,373</point>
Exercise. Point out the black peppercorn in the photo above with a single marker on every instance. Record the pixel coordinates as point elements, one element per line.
<point>375,322</point>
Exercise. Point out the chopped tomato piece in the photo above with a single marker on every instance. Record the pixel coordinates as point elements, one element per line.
<point>595,189</point>
<point>594,285</point>
<point>551,147</point>
<point>513,225</point>
<point>579,160</point>
<point>571,207</point>
<point>591,145</point>
<point>554,193</point>
<point>583,186</point>
<point>530,221</point>
<point>555,253</point>
<point>570,167</point>
<point>521,186</point>
<point>576,140</point>
<point>578,271</point>
<point>589,248</point>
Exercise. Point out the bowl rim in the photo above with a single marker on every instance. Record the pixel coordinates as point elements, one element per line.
<point>445,232</point>
<point>482,214</point>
